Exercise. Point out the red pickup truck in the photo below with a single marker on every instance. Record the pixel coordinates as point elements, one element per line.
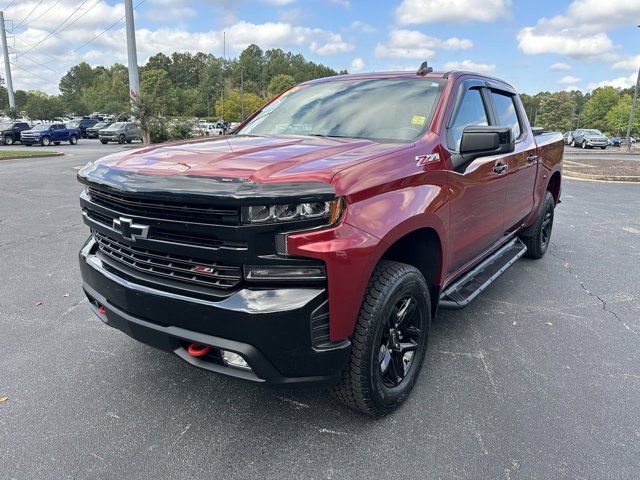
<point>315,245</point>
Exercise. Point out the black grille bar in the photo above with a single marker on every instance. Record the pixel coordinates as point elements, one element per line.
<point>183,269</point>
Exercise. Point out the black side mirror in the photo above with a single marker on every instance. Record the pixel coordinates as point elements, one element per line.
<point>485,141</point>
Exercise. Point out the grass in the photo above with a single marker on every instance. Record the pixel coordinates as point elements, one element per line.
<point>11,154</point>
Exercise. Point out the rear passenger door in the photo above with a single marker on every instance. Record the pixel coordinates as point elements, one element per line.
<point>522,163</point>
<point>478,189</point>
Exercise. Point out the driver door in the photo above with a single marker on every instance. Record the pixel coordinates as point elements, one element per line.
<point>478,189</point>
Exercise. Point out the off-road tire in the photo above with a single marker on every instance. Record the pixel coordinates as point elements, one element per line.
<point>536,243</point>
<point>361,387</point>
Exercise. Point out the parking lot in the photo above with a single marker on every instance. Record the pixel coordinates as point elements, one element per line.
<point>537,378</point>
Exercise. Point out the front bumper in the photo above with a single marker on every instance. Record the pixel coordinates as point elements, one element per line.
<point>597,143</point>
<point>271,329</point>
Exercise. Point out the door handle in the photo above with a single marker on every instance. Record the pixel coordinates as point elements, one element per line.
<point>500,168</point>
<point>532,158</point>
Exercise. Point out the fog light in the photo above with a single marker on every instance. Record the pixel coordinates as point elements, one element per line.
<point>268,273</point>
<point>233,359</point>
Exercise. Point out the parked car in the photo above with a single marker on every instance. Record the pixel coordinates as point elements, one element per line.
<point>82,124</point>
<point>47,133</point>
<point>568,137</point>
<point>10,132</point>
<point>588,138</point>
<point>207,130</point>
<point>316,245</point>
<point>120,132</point>
<point>93,132</point>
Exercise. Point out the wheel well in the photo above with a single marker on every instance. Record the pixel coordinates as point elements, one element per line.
<point>421,249</point>
<point>554,186</point>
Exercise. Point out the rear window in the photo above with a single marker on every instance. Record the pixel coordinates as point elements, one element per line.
<point>506,111</point>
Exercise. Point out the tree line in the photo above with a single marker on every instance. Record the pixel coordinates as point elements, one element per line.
<point>605,109</point>
<point>205,86</point>
<point>180,85</point>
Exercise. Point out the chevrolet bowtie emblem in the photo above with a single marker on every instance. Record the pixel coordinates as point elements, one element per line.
<point>130,230</point>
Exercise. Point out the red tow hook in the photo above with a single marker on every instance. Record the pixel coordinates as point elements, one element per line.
<point>102,310</point>
<point>196,349</point>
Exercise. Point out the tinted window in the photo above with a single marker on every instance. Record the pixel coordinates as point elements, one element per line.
<point>391,109</point>
<point>471,112</point>
<point>506,111</point>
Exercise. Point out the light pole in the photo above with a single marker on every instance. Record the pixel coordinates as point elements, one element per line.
<point>631,112</point>
<point>241,94</point>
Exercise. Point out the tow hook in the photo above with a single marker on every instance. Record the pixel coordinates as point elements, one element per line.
<point>196,349</point>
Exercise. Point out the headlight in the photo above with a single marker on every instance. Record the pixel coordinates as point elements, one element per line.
<point>331,211</point>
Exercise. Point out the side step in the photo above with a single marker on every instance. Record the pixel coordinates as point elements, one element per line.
<point>462,291</point>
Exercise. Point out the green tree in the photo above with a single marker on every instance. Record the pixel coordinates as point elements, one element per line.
<point>280,83</point>
<point>41,106</point>
<point>158,92</point>
<point>233,106</point>
<point>74,86</point>
<point>594,114</point>
<point>556,111</point>
<point>618,118</point>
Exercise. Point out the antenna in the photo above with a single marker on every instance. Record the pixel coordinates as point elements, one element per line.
<point>424,69</point>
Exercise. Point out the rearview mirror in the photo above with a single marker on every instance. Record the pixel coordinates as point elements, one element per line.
<point>481,141</point>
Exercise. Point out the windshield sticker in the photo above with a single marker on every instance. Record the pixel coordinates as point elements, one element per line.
<point>418,120</point>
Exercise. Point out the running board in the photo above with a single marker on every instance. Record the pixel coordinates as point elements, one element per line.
<point>459,294</point>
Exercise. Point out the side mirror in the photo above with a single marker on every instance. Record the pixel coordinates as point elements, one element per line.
<point>483,141</point>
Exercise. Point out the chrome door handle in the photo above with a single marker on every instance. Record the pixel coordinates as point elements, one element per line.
<point>500,168</point>
<point>532,158</point>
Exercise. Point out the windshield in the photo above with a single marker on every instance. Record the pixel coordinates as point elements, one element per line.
<point>393,109</point>
<point>41,126</point>
<point>100,125</point>
<point>593,132</point>
<point>116,126</point>
<point>75,123</point>
<point>6,126</point>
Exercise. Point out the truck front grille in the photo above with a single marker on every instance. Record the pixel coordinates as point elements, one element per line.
<point>179,268</point>
<point>165,210</point>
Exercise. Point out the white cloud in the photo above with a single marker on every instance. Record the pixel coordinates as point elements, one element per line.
<point>581,31</point>
<point>362,27</point>
<point>356,65</point>
<point>431,11</point>
<point>569,79</point>
<point>620,82</point>
<point>415,44</point>
<point>560,66</point>
<point>278,3</point>
<point>470,66</point>
<point>629,63</point>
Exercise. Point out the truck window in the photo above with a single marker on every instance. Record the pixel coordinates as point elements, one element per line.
<point>506,111</point>
<point>470,112</point>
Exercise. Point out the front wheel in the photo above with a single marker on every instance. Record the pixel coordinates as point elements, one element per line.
<point>389,342</point>
<point>538,242</point>
<point>573,143</point>
<point>603,148</point>
<point>8,140</point>
<point>73,140</point>
<point>45,142</point>
<point>121,139</point>
<point>104,142</point>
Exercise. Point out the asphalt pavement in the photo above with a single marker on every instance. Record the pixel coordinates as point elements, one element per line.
<point>538,378</point>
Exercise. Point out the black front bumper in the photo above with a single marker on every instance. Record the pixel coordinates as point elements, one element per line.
<point>271,329</point>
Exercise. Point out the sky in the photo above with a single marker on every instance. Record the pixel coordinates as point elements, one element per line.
<point>535,45</point>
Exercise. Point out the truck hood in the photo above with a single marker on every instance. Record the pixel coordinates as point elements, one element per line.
<point>252,158</point>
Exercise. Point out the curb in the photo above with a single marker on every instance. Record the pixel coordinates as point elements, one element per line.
<point>33,155</point>
<point>602,178</point>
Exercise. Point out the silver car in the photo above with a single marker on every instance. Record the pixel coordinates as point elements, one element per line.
<point>120,132</point>
<point>589,138</point>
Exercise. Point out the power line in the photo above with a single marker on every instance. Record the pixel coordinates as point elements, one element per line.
<point>28,15</point>
<point>10,3</point>
<point>30,72</point>
<point>57,28</point>
<point>39,16</point>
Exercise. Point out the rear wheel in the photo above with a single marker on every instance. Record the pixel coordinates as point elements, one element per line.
<point>45,142</point>
<point>389,342</point>
<point>538,242</point>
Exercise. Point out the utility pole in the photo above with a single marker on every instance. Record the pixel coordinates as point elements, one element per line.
<point>134,81</point>
<point>7,65</point>
<point>224,61</point>
<point>241,94</point>
<point>631,112</point>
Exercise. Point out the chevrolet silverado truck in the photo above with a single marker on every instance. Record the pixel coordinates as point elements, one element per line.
<point>315,246</point>
<point>10,132</point>
<point>47,133</point>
